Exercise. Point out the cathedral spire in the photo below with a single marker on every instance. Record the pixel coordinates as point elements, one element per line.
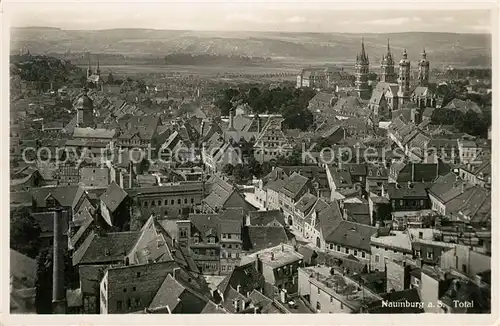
<point>98,69</point>
<point>89,69</point>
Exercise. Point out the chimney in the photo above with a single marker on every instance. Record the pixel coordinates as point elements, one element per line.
<point>238,288</point>
<point>58,289</point>
<point>242,305</point>
<point>283,247</point>
<point>283,296</point>
<point>175,272</point>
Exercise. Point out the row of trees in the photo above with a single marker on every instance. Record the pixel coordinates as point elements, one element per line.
<point>469,122</point>
<point>292,103</point>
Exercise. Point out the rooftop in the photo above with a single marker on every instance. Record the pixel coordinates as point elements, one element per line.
<point>397,239</point>
<point>274,257</point>
<point>340,287</point>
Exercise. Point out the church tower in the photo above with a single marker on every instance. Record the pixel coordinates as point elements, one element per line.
<point>423,70</point>
<point>387,73</point>
<point>98,70</point>
<point>89,68</point>
<point>362,70</point>
<point>404,79</point>
<point>84,111</point>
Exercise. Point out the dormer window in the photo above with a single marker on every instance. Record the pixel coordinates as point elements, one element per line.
<point>196,238</point>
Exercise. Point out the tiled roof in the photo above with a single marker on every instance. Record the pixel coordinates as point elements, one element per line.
<point>93,133</point>
<point>294,185</point>
<point>408,190</point>
<point>260,237</point>
<point>352,235</point>
<point>265,217</point>
<point>448,186</point>
<point>110,247</point>
<point>463,106</point>
<point>90,277</point>
<point>113,196</point>
<point>328,219</point>
<point>67,196</point>
<point>306,202</point>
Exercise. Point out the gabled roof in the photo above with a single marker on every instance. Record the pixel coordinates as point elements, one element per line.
<point>328,219</point>
<point>294,185</point>
<point>106,247</point>
<point>261,237</point>
<point>448,186</point>
<point>66,196</point>
<point>265,217</point>
<point>306,202</point>
<point>407,190</point>
<point>113,196</point>
<point>352,235</point>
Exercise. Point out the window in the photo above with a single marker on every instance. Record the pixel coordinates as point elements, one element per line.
<point>229,236</point>
<point>429,254</point>
<point>119,305</point>
<point>318,306</point>
<point>464,268</point>
<point>338,248</point>
<point>377,258</point>
<point>346,250</point>
<point>129,304</point>
<point>153,203</point>
<point>134,288</point>
<point>192,200</point>
<point>331,299</point>
<point>178,201</point>
<point>223,267</point>
<point>319,291</point>
<point>137,302</point>
<point>138,274</point>
<point>145,204</point>
<point>125,290</point>
<point>363,254</point>
<point>355,252</point>
<point>341,305</point>
<point>185,200</point>
<point>159,202</point>
<point>172,202</point>
<point>166,202</point>
<point>223,236</point>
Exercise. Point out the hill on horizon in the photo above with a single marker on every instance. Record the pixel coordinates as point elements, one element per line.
<point>442,48</point>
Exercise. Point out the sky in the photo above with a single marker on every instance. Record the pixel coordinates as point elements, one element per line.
<point>255,16</point>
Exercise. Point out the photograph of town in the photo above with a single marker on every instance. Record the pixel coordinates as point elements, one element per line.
<point>218,158</point>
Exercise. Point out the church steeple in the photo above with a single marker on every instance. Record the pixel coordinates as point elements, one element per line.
<point>404,79</point>
<point>89,69</point>
<point>423,70</point>
<point>362,71</point>
<point>98,70</point>
<point>387,73</point>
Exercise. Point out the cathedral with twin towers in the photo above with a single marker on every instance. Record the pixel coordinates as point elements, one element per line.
<point>393,91</point>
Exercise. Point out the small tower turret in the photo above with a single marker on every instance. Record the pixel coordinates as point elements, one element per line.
<point>423,70</point>
<point>404,79</point>
<point>362,71</point>
<point>387,73</point>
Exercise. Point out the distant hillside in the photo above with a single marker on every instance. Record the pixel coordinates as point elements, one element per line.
<point>442,48</point>
<point>43,70</point>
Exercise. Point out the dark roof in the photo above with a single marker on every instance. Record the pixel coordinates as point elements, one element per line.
<point>407,190</point>
<point>261,237</point>
<point>106,247</point>
<point>352,235</point>
<point>328,219</point>
<point>306,202</point>
<point>67,196</point>
<point>113,196</point>
<point>294,185</point>
<point>448,186</point>
<point>178,297</point>
<point>22,268</point>
<point>46,222</point>
<point>90,277</point>
<point>265,217</point>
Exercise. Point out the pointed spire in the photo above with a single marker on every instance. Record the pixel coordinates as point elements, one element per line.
<point>363,53</point>
<point>405,54</point>
<point>424,54</point>
<point>98,69</point>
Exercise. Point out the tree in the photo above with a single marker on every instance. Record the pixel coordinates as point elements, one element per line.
<point>43,285</point>
<point>24,232</point>
<point>228,169</point>
<point>241,174</point>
